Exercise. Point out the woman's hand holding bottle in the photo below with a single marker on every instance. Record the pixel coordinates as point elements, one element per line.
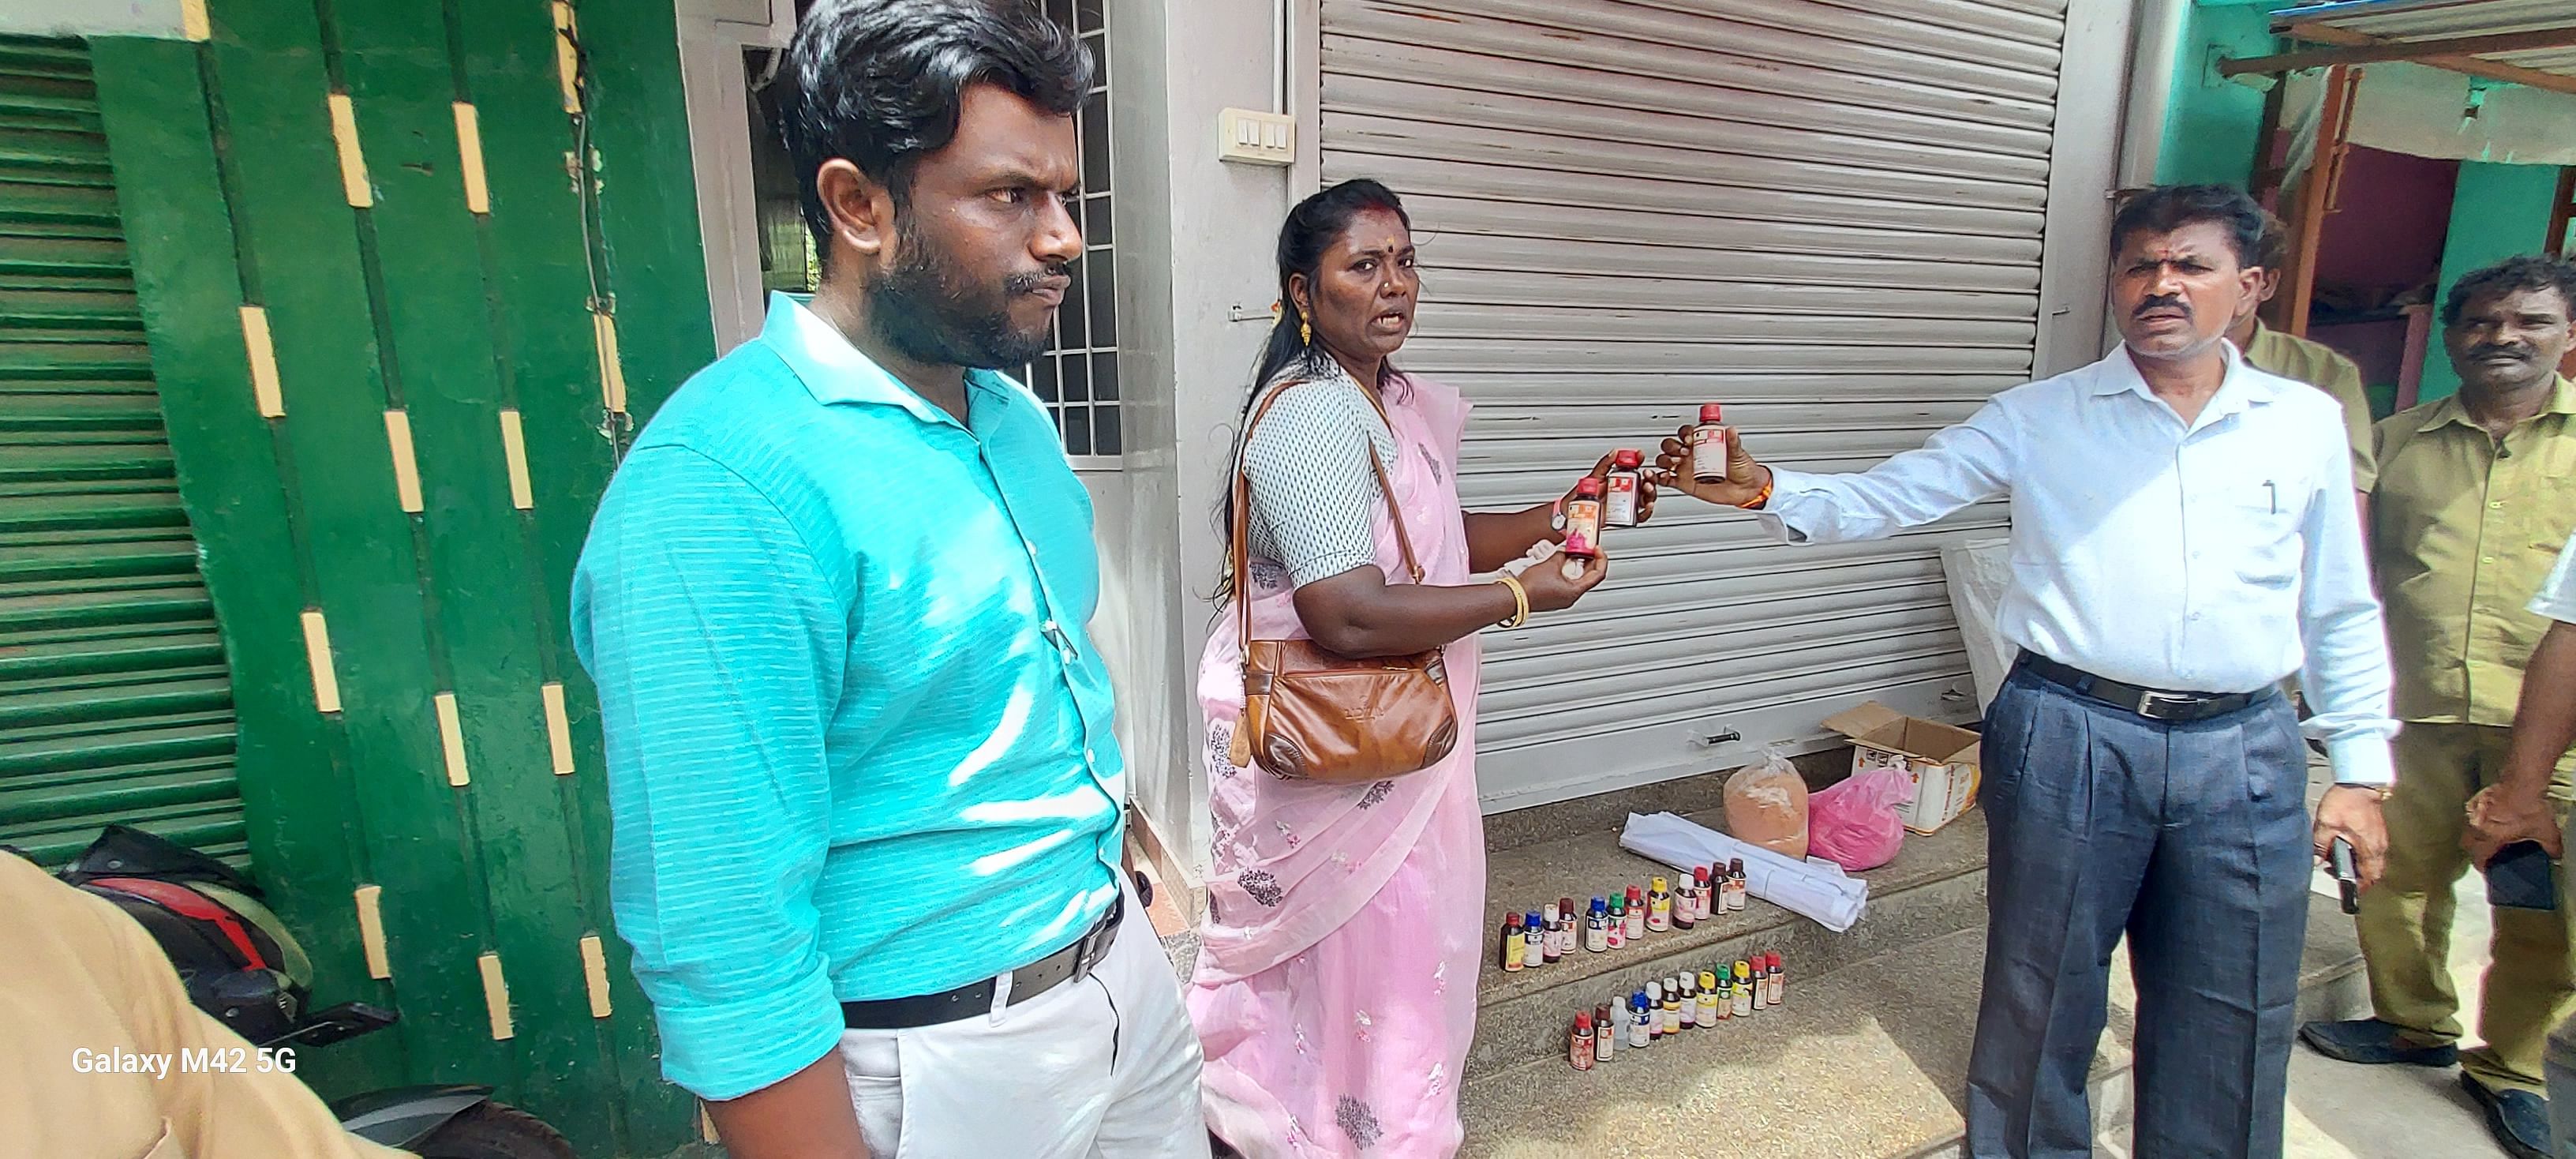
<point>1551,590</point>
<point>1601,472</point>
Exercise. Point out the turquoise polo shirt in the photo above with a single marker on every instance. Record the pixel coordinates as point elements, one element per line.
<point>859,741</point>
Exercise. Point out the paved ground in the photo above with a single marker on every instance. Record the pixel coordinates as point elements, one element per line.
<point>2337,1110</point>
<point>2341,1111</point>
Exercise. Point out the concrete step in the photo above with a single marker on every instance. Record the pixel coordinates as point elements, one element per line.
<point>1936,886</point>
<point>1868,1061</point>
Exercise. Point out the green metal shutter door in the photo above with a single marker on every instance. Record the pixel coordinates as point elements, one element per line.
<point>115,704</point>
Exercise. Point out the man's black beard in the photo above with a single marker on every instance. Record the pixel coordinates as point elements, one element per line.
<point>921,309</point>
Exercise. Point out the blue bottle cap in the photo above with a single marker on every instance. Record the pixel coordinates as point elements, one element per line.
<point>1532,919</point>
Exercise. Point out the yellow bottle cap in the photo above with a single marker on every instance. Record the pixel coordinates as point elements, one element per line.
<point>1659,885</point>
<point>1708,979</point>
<point>1744,969</point>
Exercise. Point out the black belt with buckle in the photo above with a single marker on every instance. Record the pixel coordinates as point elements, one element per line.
<point>2151,703</point>
<point>1070,964</point>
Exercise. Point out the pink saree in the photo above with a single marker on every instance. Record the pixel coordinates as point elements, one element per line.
<point>1336,984</point>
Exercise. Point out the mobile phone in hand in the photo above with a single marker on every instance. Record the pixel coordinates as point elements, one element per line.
<point>2339,862</point>
<point>2518,877</point>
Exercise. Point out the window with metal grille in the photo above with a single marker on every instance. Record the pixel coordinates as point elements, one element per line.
<point>1078,376</point>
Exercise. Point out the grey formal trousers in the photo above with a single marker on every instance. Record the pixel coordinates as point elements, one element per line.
<point>2193,840</point>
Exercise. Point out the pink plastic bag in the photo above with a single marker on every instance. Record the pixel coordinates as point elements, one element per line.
<point>1854,824</point>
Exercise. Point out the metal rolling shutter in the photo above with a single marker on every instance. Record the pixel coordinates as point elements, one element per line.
<point>114,699</point>
<point>1826,217</point>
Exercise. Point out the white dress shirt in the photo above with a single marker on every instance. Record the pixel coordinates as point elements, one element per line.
<point>2216,556</point>
<point>2557,598</point>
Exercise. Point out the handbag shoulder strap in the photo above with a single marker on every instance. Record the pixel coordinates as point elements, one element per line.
<point>1241,516</point>
<point>1386,488</point>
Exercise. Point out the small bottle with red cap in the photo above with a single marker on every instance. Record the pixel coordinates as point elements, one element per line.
<point>1623,489</point>
<point>1583,523</point>
<point>1709,442</point>
<point>1581,1050</point>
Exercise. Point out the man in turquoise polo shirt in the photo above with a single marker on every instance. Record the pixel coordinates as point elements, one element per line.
<point>865,792</point>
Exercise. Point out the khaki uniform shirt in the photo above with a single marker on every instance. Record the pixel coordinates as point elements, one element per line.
<point>2319,366</point>
<point>2463,529</point>
<point>90,1009</point>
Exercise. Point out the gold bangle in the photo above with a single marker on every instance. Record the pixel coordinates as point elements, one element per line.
<point>1520,600</point>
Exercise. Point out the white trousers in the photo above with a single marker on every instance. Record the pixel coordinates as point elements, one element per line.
<point>1103,1068</point>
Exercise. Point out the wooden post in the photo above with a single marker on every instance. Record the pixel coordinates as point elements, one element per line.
<point>2564,215</point>
<point>2315,199</point>
<point>2266,175</point>
<point>2419,346</point>
<point>2562,238</point>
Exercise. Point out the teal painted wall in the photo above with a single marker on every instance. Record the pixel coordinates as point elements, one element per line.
<point>2500,210</point>
<point>2213,125</point>
<point>440,574</point>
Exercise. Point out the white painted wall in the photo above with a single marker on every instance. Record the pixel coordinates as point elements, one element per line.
<point>91,17</point>
<point>713,35</point>
<point>1133,630</point>
<point>1197,235</point>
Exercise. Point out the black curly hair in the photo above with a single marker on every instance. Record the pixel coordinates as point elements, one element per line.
<point>2512,275</point>
<point>2167,208</point>
<point>880,82</point>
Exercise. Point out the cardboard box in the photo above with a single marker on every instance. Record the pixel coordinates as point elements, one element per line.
<point>1940,759</point>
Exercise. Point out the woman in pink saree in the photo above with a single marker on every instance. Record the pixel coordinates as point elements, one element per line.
<point>1336,986</point>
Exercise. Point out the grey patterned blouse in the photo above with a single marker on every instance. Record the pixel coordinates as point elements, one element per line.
<point>1313,494</point>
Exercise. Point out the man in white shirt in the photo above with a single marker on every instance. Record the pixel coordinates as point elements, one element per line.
<point>2184,537</point>
<point>2516,809</point>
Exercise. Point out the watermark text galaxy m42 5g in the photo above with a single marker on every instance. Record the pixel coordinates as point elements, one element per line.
<point>196,1060</point>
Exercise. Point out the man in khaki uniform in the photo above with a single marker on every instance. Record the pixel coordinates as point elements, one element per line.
<point>2300,360</point>
<point>92,1026</point>
<point>2472,507</point>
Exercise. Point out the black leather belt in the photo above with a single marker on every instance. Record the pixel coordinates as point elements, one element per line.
<point>1070,964</point>
<point>2151,703</point>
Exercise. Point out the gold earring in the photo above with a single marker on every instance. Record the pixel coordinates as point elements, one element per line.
<point>1305,333</point>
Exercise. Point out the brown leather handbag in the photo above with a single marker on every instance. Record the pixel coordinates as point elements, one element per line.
<point>1311,715</point>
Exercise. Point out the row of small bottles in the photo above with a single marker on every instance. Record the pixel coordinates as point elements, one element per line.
<point>1534,940</point>
<point>1678,1003</point>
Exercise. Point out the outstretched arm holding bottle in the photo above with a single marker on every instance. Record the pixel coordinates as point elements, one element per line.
<point>1965,464</point>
